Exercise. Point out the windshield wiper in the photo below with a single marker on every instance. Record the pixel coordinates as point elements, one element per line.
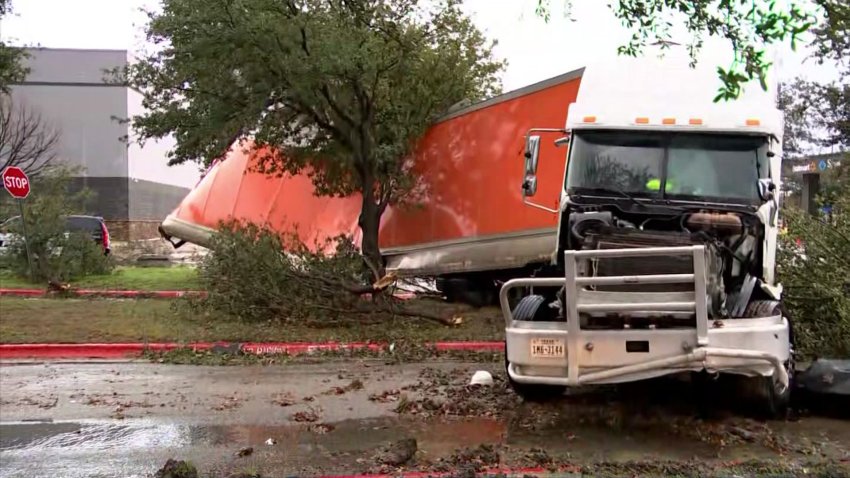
<point>613,190</point>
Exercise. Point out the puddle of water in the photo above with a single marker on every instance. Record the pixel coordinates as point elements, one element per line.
<point>135,447</point>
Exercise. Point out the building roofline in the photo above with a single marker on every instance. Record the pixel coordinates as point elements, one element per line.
<point>82,50</point>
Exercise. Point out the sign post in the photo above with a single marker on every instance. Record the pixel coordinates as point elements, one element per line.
<point>16,182</point>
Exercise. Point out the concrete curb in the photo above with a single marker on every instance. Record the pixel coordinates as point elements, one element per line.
<point>125,350</point>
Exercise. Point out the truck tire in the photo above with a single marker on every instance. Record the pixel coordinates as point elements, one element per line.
<point>760,392</point>
<point>529,308</point>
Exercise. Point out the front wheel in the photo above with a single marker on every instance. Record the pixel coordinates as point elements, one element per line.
<point>531,308</point>
<point>760,392</point>
<point>763,399</point>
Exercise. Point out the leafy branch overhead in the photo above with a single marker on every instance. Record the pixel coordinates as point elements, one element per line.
<point>749,25</point>
<point>12,69</point>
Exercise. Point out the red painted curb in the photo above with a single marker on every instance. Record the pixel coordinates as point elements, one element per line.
<point>426,474</point>
<point>133,294</point>
<point>22,292</point>
<point>126,350</point>
<point>128,294</point>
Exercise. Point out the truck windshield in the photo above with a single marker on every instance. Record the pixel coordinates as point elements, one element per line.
<point>670,165</point>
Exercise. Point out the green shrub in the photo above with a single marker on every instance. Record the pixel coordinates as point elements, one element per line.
<point>56,254</point>
<point>816,276</point>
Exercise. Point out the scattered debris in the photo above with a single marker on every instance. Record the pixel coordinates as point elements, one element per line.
<point>448,394</point>
<point>469,461</point>
<point>229,403</point>
<point>118,414</point>
<point>177,469</point>
<point>397,453</point>
<point>307,416</point>
<point>247,451</point>
<point>47,404</point>
<point>354,385</point>
<point>537,457</point>
<point>244,474</point>
<point>322,428</point>
<point>386,396</point>
<point>284,400</point>
<point>746,435</point>
<point>481,377</point>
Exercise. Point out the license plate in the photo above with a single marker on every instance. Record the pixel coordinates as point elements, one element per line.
<point>547,348</point>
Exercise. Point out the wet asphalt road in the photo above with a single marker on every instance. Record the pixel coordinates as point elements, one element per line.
<point>125,419</point>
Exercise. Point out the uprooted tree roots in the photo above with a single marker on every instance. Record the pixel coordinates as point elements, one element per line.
<point>255,274</point>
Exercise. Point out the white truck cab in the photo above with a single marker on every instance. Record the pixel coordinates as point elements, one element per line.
<point>665,257</point>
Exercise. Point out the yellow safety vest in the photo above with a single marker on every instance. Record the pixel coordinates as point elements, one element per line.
<point>655,184</point>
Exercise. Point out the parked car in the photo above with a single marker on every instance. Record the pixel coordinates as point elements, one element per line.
<point>9,230</point>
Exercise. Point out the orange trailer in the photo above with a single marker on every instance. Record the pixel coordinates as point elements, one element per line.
<point>471,220</point>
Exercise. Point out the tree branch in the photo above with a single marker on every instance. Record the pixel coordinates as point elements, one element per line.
<point>26,141</point>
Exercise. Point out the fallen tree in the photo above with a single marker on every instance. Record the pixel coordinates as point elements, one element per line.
<point>256,274</point>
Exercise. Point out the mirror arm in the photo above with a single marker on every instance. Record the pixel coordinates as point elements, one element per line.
<point>539,206</point>
<point>545,130</point>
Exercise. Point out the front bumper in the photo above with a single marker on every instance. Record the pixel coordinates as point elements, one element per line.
<point>574,356</point>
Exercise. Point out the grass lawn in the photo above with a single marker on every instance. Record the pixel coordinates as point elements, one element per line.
<point>127,278</point>
<point>83,320</point>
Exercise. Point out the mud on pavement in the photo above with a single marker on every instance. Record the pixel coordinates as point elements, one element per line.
<point>127,420</point>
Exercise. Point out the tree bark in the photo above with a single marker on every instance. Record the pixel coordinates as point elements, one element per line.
<point>369,222</point>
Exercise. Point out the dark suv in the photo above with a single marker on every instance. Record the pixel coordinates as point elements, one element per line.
<point>10,229</point>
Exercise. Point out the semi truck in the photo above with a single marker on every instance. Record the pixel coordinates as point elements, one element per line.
<point>665,257</point>
<point>625,222</point>
<point>466,229</point>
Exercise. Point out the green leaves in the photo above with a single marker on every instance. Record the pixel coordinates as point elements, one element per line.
<point>832,36</point>
<point>12,69</point>
<point>749,26</point>
<point>342,88</point>
<point>815,274</point>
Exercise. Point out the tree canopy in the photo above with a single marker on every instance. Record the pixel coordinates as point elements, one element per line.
<point>341,89</point>
<point>12,69</point>
<point>749,25</point>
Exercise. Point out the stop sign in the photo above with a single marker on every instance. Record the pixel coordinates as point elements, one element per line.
<point>15,181</point>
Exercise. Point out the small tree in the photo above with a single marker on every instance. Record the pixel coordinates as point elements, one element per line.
<point>340,89</point>
<point>56,254</point>
<point>26,140</point>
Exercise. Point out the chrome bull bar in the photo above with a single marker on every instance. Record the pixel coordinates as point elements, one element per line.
<point>574,306</point>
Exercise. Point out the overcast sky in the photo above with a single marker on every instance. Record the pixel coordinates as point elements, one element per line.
<point>535,50</point>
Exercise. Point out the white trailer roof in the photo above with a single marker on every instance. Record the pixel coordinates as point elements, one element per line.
<point>652,93</point>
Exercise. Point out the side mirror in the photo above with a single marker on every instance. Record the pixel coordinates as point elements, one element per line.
<point>529,185</point>
<point>532,153</point>
<point>766,189</point>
